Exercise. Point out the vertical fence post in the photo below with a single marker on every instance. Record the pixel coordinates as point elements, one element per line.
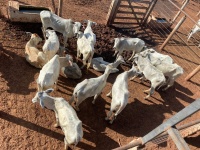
<point>112,11</point>
<point>60,7</point>
<point>172,33</point>
<point>183,6</point>
<point>149,11</point>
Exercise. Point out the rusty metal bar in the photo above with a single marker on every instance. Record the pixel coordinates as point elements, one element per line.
<point>182,127</point>
<point>178,139</point>
<point>183,6</point>
<point>192,73</point>
<point>180,116</point>
<point>185,13</point>
<point>172,33</point>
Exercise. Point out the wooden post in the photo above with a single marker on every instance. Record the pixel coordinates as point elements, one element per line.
<point>172,33</point>
<point>60,7</point>
<point>198,13</point>
<point>149,11</point>
<point>112,11</point>
<point>192,73</point>
<point>185,3</point>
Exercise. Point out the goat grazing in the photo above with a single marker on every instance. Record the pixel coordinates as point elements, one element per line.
<point>66,117</point>
<point>164,64</point>
<point>154,75</point>
<point>90,87</point>
<point>120,93</point>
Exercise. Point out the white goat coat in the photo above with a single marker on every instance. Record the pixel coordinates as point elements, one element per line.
<point>61,25</point>
<point>194,30</point>
<point>34,56</point>
<point>85,47</point>
<point>135,45</point>
<point>89,87</point>
<point>66,117</point>
<point>120,92</point>
<point>49,73</point>
<point>89,33</point>
<point>68,121</point>
<point>51,45</point>
<point>156,57</point>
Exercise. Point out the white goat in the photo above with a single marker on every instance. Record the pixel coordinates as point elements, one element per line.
<point>156,57</point>
<point>99,64</point>
<point>194,30</point>
<point>51,45</point>
<point>35,57</point>
<point>135,45</point>
<point>73,71</point>
<point>50,72</point>
<point>65,26</point>
<point>120,93</point>
<point>90,87</point>
<point>85,47</point>
<point>154,75</point>
<point>66,117</point>
<point>89,33</point>
<point>170,70</point>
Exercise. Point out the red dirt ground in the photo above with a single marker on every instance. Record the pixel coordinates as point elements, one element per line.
<point>25,125</point>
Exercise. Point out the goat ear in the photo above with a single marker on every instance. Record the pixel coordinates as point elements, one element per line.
<point>49,90</point>
<point>40,95</point>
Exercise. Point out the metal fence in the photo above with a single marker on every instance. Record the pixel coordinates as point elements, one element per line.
<point>166,24</point>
